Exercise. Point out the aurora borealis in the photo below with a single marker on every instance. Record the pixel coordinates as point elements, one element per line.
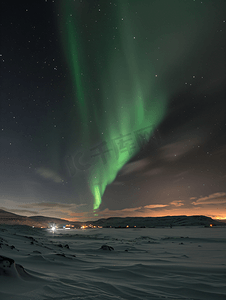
<point>128,101</point>
<point>113,108</point>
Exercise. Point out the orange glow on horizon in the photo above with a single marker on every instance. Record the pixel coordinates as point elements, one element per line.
<point>127,212</point>
<point>220,218</point>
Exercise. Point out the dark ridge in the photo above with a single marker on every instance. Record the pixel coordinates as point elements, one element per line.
<point>8,218</point>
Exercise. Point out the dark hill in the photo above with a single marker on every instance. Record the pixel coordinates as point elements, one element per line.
<point>9,218</point>
<point>167,221</point>
<point>37,221</point>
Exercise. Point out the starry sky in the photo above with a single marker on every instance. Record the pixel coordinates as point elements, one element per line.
<point>113,108</point>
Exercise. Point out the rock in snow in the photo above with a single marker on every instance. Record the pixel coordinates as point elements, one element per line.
<point>106,247</point>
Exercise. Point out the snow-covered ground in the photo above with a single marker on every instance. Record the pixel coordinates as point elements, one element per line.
<point>148,263</point>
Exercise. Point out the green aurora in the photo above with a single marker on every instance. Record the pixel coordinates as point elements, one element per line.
<point>128,100</point>
<point>126,95</point>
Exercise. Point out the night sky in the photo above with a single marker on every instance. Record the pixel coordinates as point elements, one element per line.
<point>113,108</point>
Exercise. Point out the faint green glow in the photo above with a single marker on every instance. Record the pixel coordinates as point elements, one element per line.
<point>128,100</point>
<point>74,57</point>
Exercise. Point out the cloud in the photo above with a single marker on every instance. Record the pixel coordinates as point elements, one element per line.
<point>154,172</point>
<point>49,174</point>
<point>23,212</point>
<point>216,198</point>
<point>148,211</point>
<point>50,205</point>
<point>140,211</point>
<point>46,209</point>
<point>12,206</point>
<point>180,176</point>
<point>152,206</point>
<point>137,166</point>
<point>174,151</point>
<point>177,203</point>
